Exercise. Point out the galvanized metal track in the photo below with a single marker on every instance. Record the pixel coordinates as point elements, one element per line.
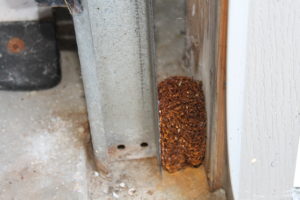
<point>115,42</point>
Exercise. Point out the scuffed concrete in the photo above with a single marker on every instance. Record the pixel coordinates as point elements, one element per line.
<point>43,134</point>
<point>46,154</point>
<point>140,179</point>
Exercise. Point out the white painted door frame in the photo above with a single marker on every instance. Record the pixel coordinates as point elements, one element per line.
<point>263,97</point>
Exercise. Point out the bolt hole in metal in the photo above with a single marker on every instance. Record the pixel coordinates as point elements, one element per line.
<point>144,144</point>
<point>121,146</point>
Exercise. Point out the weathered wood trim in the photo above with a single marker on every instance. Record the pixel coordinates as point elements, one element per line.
<point>217,167</point>
<point>206,46</point>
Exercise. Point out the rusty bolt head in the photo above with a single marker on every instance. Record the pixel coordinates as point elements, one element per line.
<point>15,45</point>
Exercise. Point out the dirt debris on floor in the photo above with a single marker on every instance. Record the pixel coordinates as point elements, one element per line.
<point>141,180</point>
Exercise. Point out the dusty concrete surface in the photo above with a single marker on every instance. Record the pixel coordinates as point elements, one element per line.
<point>141,180</point>
<point>170,38</point>
<point>42,153</point>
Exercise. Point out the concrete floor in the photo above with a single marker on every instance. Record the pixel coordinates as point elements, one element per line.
<point>44,153</point>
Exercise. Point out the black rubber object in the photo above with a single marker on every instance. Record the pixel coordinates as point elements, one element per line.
<point>29,58</point>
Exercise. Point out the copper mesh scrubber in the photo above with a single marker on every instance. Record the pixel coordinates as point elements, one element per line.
<point>182,123</point>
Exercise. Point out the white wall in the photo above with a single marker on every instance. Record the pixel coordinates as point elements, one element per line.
<point>263,97</point>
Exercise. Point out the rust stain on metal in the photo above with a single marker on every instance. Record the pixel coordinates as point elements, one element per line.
<point>122,153</point>
<point>15,45</point>
<point>112,150</point>
<point>182,123</point>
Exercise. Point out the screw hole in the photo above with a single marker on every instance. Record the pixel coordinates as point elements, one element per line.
<point>144,144</point>
<point>121,146</point>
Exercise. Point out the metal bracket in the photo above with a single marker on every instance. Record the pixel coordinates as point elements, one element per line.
<point>74,6</point>
<point>115,44</point>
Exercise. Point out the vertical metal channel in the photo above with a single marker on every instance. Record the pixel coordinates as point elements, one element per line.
<point>115,41</point>
<point>91,84</point>
<point>153,65</point>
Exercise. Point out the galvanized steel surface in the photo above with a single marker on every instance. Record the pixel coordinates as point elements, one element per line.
<point>115,56</point>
